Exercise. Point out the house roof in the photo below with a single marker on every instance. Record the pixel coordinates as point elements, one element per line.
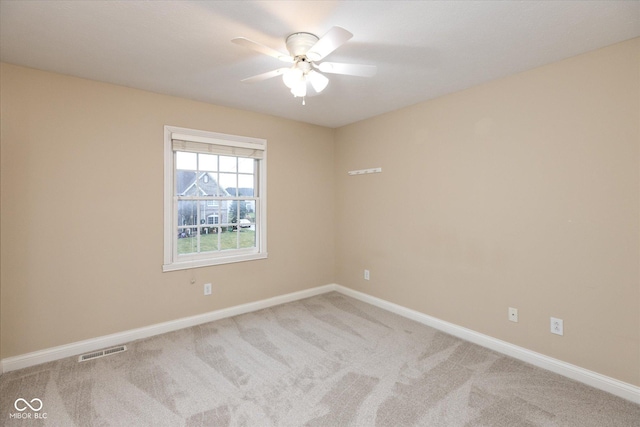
<point>206,185</point>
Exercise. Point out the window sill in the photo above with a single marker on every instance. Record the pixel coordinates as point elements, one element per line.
<point>185,265</point>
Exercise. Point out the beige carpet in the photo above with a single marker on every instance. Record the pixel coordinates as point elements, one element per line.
<point>324,361</point>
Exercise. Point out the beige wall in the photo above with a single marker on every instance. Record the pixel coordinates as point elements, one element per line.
<point>82,201</point>
<point>523,193</point>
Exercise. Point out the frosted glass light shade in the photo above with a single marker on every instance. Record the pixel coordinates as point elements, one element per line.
<point>318,81</point>
<point>292,76</point>
<point>300,88</point>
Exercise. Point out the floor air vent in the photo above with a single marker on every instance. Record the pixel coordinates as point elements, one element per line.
<point>102,353</point>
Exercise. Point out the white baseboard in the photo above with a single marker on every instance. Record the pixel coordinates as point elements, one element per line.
<point>594,379</point>
<point>93,344</point>
<point>599,381</point>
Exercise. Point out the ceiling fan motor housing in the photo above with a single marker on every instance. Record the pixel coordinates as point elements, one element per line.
<point>298,44</point>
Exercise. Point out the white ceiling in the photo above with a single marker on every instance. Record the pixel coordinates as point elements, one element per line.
<point>423,49</point>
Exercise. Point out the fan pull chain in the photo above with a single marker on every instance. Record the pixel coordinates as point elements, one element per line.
<point>303,100</point>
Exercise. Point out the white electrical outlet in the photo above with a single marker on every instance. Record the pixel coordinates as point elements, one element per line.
<point>513,314</point>
<point>557,326</point>
<point>207,288</point>
<point>366,275</point>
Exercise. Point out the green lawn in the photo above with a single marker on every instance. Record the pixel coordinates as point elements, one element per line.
<point>209,242</point>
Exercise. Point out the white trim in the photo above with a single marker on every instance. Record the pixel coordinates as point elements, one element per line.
<point>206,262</point>
<point>79,347</point>
<point>594,379</point>
<point>168,202</point>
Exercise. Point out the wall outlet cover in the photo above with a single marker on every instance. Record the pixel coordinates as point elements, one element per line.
<point>557,326</point>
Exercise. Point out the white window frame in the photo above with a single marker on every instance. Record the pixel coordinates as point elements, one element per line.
<point>171,260</point>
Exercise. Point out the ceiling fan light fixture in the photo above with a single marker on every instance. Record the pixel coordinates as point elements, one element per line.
<point>300,89</point>
<point>292,77</point>
<point>318,81</point>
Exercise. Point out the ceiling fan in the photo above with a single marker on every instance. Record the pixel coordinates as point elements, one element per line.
<point>305,51</point>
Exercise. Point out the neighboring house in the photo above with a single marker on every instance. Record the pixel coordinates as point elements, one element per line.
<point>212,212</point>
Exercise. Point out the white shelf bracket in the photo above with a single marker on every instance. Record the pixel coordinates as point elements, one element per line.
<point>365,171</point>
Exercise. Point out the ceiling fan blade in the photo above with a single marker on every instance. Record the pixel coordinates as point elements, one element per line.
<point>348,69</point>
<point>334,38</point>
<point>241,41</point>
<point>265,76</point>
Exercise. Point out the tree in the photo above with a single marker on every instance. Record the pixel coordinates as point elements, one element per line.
<point>233,211</point>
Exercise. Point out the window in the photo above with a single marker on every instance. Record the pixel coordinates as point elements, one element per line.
<point>215,199</point>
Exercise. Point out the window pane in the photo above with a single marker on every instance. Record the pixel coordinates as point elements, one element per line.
<point>229,239</point>
<point>237,211</point>
<point>186,161</point>
<point>207,184</point>
<point>208,162</point>
<point>228,164</point>
<point>187,244</point>
<point>233,212</point>
<point>213,188</point>
<point>229,181</point>
<point>185,183</point>
<point>206,210</point>
<point>242,204</point>
<point>209,239</point>
<point>187,213</point>
<point>224,211</point>
<point>209,218</point>
<point>245,183</point>
<point>187,236</point>
<point>251,210</point>
<point>247,238</point>
<point>245,165</point>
